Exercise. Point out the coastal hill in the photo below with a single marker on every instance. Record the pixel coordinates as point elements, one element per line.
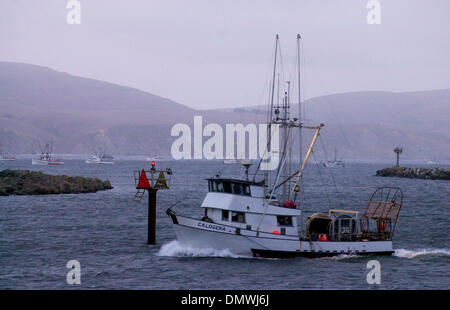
<point>79,115</point>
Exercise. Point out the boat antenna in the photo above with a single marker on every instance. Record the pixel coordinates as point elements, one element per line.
<point>273,79</point>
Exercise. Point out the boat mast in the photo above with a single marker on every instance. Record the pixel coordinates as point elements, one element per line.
<point>286,145</point>
<point>269,123</point>
<point>290,137</point>
<point>273,80</point>
<point>300,121</point>
<point>282,118</point>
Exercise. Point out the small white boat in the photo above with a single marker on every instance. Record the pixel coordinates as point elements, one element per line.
<point>6,157</point>
<point>44,161</point>
<point>101,159</point>
<point>46,157</point>
<point>153,158</point>
<point>336,163</point>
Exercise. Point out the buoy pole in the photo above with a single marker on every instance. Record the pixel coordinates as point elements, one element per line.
<point>151,234</point>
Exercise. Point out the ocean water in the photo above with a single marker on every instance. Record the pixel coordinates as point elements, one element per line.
<point>106,233</point>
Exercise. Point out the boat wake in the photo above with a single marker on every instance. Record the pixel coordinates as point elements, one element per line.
<point>175,249</point>
<point>343,257</point>
<point>421,252</point>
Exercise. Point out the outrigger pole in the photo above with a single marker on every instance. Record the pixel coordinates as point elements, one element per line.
<point>300,173</point>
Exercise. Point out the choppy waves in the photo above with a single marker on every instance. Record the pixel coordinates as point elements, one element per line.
<point>175,249</point>
<point>421,252</point>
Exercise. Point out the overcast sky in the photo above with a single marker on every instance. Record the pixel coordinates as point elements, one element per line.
<point>211,53</point>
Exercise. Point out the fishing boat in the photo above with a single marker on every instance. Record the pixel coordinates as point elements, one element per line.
<point>261,214</point>
<point>153,158</point>
<point>101,158</point>
<point>6,156</point>
<point>336,163</point>
<point>433,162</point>
<point>46,157</point>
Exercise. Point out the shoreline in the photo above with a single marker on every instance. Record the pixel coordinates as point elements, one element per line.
<point>415,173</point>
<point>26,182</point>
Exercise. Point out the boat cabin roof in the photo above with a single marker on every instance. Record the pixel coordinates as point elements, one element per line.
<point>236,181</point>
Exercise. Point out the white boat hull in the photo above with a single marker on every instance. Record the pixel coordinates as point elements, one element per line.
<point>200,234</point>
<point>99,162</point>
<point>46,162</point>
<point>333,165</point>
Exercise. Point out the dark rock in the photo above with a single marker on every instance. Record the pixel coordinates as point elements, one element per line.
<point>25,182</point>
<point>415,173</point>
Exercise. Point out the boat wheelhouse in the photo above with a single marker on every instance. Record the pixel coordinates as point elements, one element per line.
<point>242,204</point>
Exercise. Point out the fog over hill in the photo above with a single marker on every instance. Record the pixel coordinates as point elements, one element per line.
<point>79,115</point>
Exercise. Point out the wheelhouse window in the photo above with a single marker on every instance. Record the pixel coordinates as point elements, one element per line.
<point>246,190</point>
<point>238,217</point>
<point>213,186</point>
<point>228,186</point>
<point>284,220</point>
<point>237,189</point>
<point>225,215</point>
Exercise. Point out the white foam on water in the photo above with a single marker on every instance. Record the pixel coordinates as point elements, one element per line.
<point>420,252</point>
<point>175,249</point>
<point>342,257</point>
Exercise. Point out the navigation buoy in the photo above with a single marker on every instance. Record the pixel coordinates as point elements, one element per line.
<point>152,185</point>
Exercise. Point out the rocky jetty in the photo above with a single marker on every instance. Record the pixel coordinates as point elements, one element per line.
<point>25,182</point>
<point>415,173</point>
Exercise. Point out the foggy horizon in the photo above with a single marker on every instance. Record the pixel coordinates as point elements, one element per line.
<point>208,55</point>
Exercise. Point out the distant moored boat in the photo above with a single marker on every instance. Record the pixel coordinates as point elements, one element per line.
<point>101,158</point>
<point>6,156</point>
<point>153,158</point>
<point>46,157</point>
<point>336,163</point>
